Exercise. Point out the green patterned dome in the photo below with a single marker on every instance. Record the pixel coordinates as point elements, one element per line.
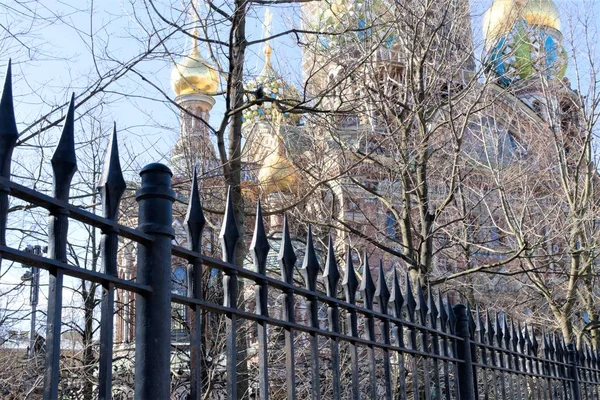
<point>273,87</point>
<point>526,51</point>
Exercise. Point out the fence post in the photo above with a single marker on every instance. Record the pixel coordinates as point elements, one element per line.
<point>463,352</point>
<point>575,386</point>
<point>153,311</point>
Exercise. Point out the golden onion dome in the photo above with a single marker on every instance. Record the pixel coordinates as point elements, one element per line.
<point>194,75</point>
<point>541,13</point>
<point>277,174</point>
<point>500,18</point>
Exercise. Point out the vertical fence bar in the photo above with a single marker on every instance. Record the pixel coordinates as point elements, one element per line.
<point>398,301</point>
<point>64,165</point>
<point>435,340</point>
<point>331,276</point>
<point>111,188</point>
<point>287,262</point>
<point>383,298</point>
<point>423,311</point>
<point>260,249</point>
<point>411,306</point>
<point>8,139</point>
<point>573,375</point>
<point>153,311</point>
<point>350,284</point>
<point>445,344</point>
<point>310,270</point>
<point>367,287</point>
<point>229,238</point>
<point>194,223</point>
<point>465,368</point>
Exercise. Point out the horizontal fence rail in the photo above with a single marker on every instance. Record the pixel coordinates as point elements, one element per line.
<point>368,338</point>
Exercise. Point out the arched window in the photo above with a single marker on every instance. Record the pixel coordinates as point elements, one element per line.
<point>179,311</point>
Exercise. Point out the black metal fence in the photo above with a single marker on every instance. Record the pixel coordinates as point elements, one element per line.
<point>421,347</point>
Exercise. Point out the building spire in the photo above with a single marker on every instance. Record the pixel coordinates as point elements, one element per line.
<point>267,50</point>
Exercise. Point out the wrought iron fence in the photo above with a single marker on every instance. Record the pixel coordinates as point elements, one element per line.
<point>421,347</point>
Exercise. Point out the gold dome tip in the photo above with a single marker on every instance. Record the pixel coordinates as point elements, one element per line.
<point>194,75</point>
<point>502,15</point>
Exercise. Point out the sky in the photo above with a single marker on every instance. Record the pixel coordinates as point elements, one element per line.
<point>52,58</point>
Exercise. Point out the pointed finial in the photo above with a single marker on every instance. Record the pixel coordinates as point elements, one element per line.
<point>229,231</point>
<point>64,160</point>
<point>499,330</point>
<point>287,256</point>
<point>382,293</point>
<point>422,306</point>
<point>411,304</point>
<point>479,323</point>
<point>112,185</point>
<point>331,273</point>
<point>367,287</point>
<point>534,342</point>
<point>433,311</point>
<point>350,281</point>
<point>8,125</point>
<point>490,328</point>
<point>451,315</point>
<point>396,296</point>
<point>260,245</point>
<point>310,265</point>
<point>443,313</point>
<point>521,339</point>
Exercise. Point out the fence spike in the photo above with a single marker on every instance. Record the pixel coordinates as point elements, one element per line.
<point>331,274</point>
<point>499,330</point>
<point>443,313</point>
<point>490,328</point>
<point>367,286</point>
<point>310,266</point>
<point>64,159</point>
<point>260,244</point>
<point>528,343</point>
<point>515,337</point>
<point>8,125</point>
<point>551,347</point>
<point>229,231</point>
<point>521,339</point>
<point>411,304</point>
<point>479,326</point>
<point>506,332</point>
<point>422,306</point>
<point>433,310</point>
<point>382,293</point>
<point>471,321</point>
<point>396,296</point>
<point>451,315</point>
<point>287,256</point>
<point>534,342</point>
<point>112,185</point>
<point>350,282</point>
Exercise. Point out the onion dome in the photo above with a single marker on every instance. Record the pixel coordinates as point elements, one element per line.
<point>269,85</point>
<point>522,38</point>
<point>502,15</point>
<point>194,75</point>
<point>277,174</point>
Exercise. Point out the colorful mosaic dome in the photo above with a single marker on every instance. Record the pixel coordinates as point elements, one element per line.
<point>337,16</point>
<point>526,51</point>
<point>273,87</point>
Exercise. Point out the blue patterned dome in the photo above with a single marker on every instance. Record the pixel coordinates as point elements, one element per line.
<point>527,51</point>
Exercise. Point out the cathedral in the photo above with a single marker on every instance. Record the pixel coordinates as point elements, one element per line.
<point>397,133</point>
